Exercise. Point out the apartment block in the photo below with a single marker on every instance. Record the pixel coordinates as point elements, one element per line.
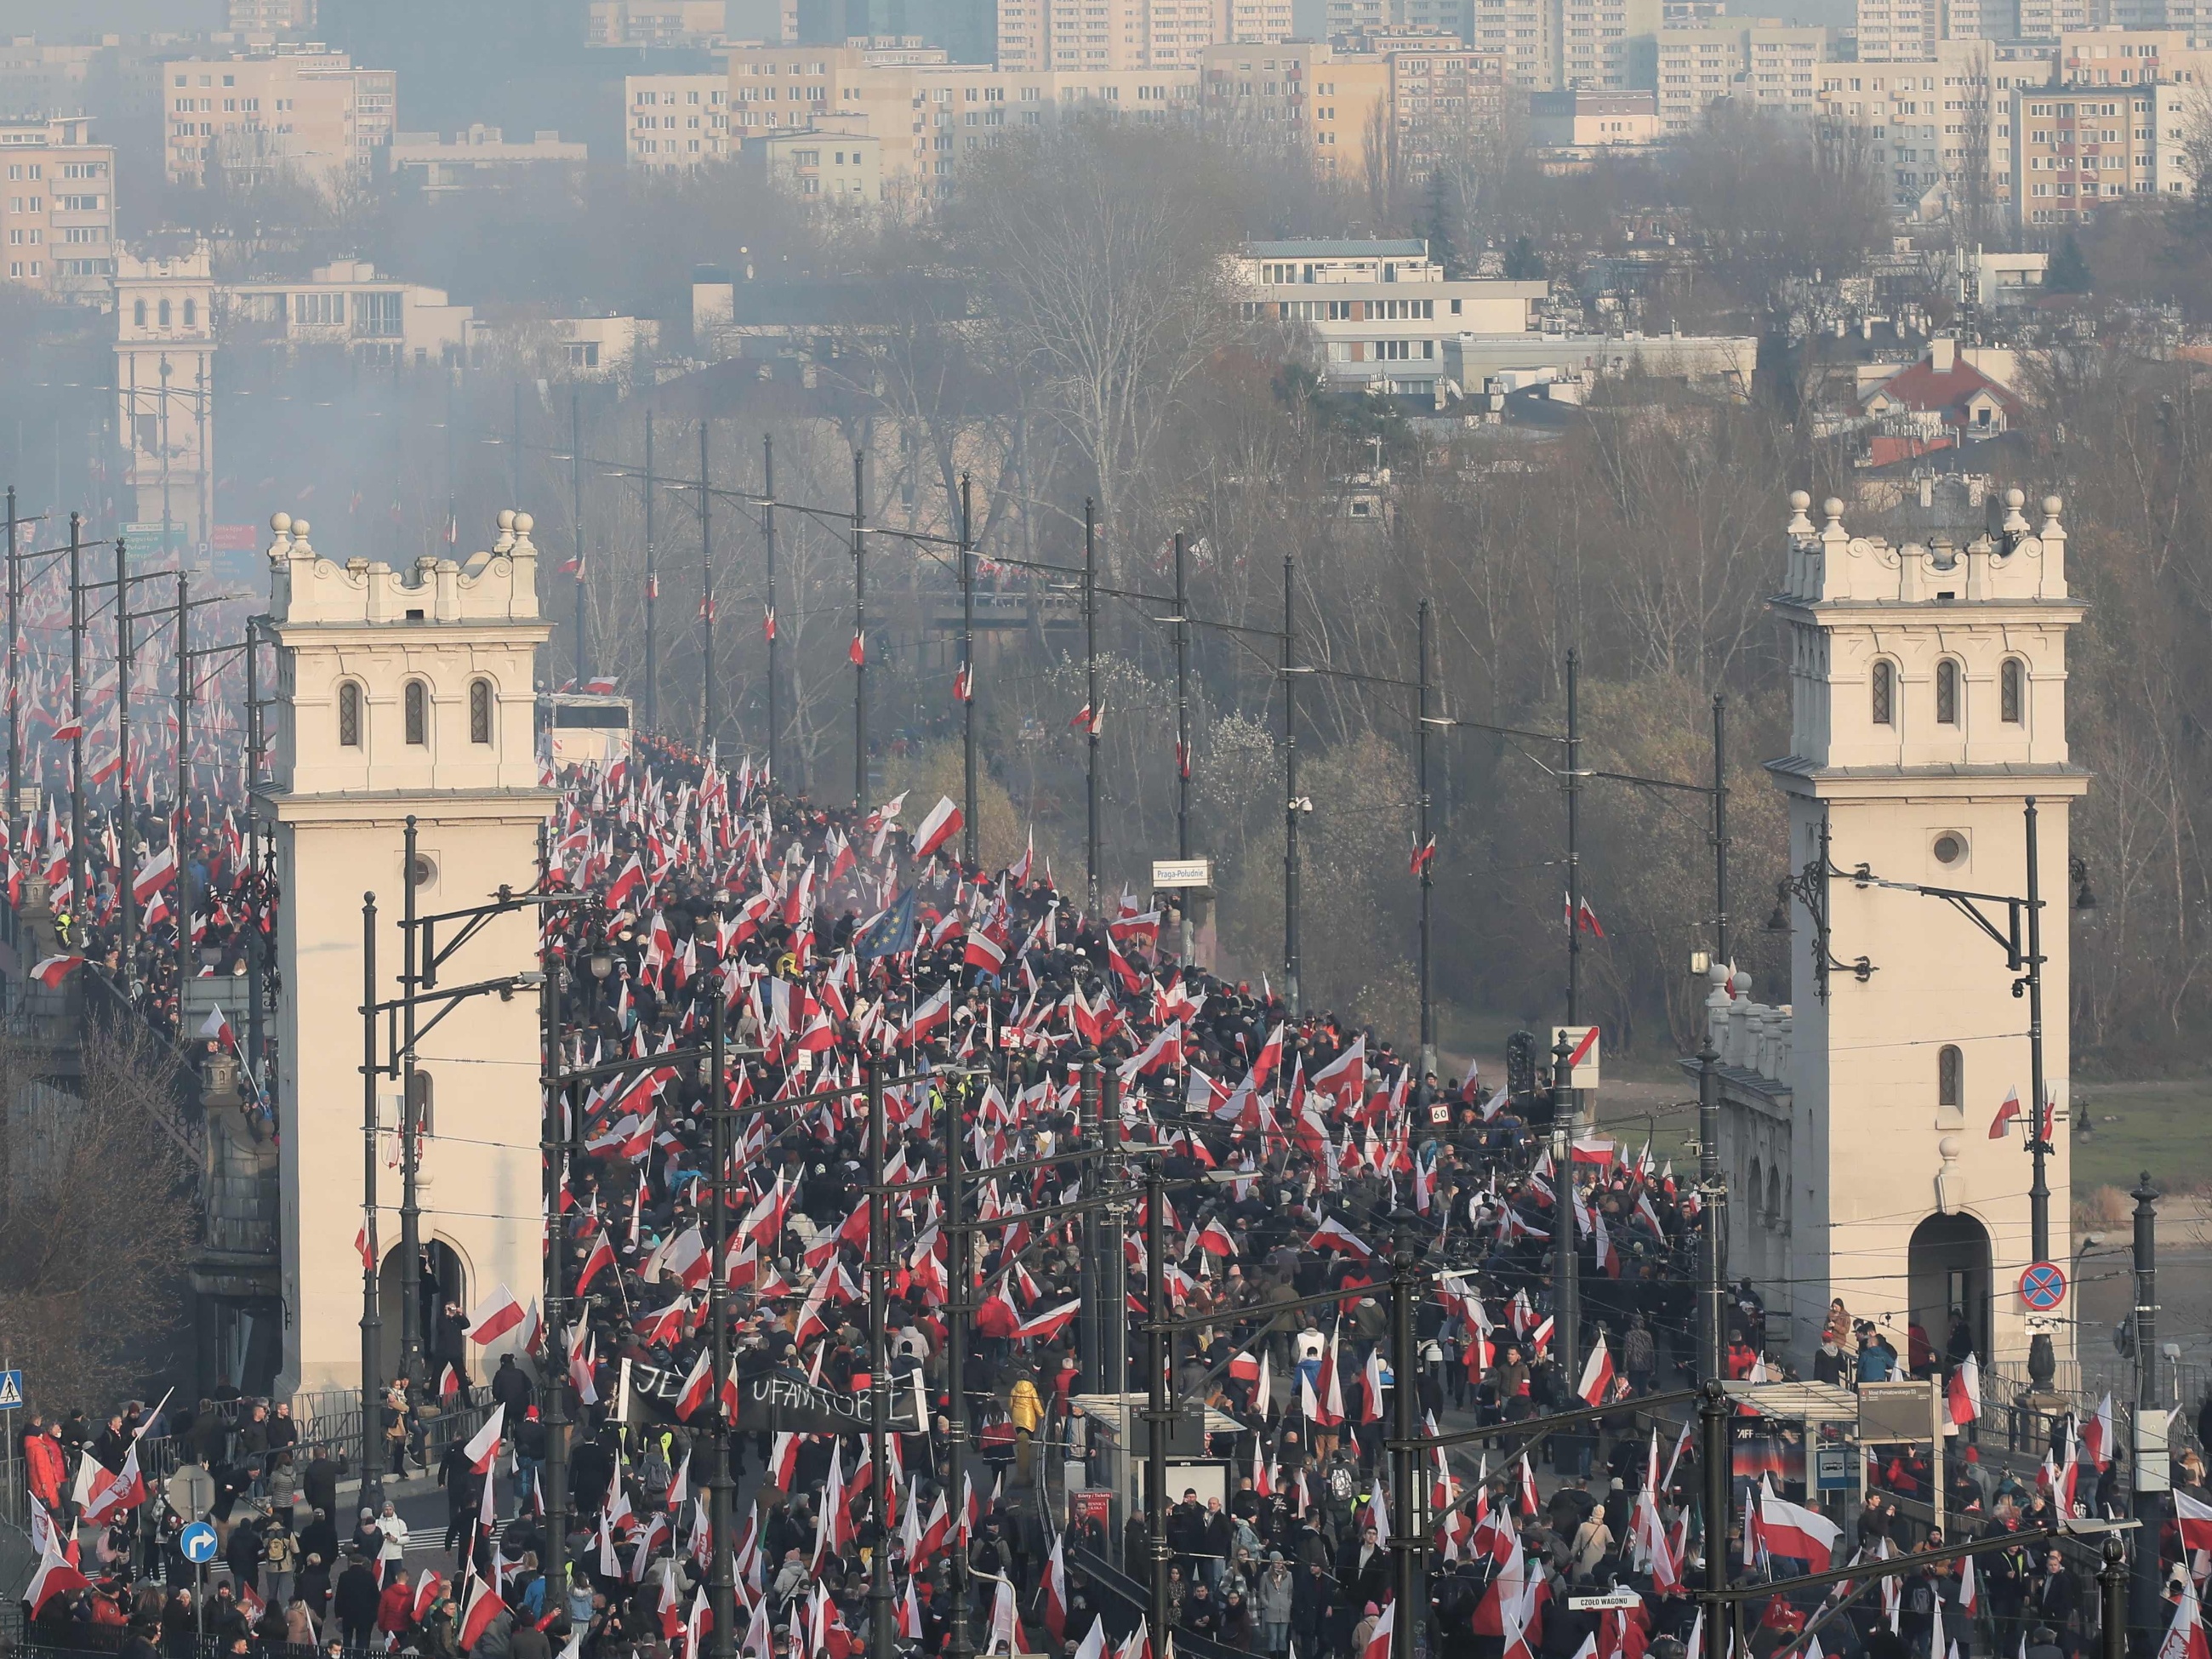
<point>1521,35</point>
<point>1300,96</point>
<point>930,113</point>
<point>843,168</point>
<point>273,17</point>
<point>57,229</point>
<point>674,122</point>
<point>303,109</point>
<point>1443,94</point>
<point>1382,312</point>
<point>1071,36</point>
<point>656,23</point>
<point>2077,149</point>
<point>1759,61</point>
<point>1901,31</point>
<point>1606,45</point>
<point>1946,122</point>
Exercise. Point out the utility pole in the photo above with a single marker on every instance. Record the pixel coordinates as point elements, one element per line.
<point>554,1136</point>
<point>651,598</point>
<point>1090,699</point>
<point>1091,1319</point>
<point>959,1643</point>
<point>721,1587</point>
<point>1183,736</point>
<point>1408,1537</point>
<point>881,1616</point>
<point>1566,1248</point>
<point>1292,806</point>
<point>1712,1209</point>
<point>127,909</point>
<point>1113,1266</point>
<point>768,536</point>
<point>15,677</point>
<point>1423,850</point>
<point>256,888</point>
<point>80,904</point>
<point>371,1317</point>
<point>1720,829</point>
<point>2042,1364</point>
<point>859,632</point>
<point>576,516</point>
<point>1715,1463</point>
<point>2152,1478</point>
<point>1572,785</point>
<point>1159,1412</point>
<point>972,831</point>
<point>182,824</point>
<point>410,1133</point>
<point>706,603</point>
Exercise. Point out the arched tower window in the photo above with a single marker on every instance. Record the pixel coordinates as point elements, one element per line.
<point>138,313</point>
<point>349,715</point>
<point>1950,1076</point>
<point>418,706</point>
<point>1885,693</point>
<point>165,313</point>
<point>192,313</point>
<point>2011,691</point>
<point>480,711</point>
<point>1946,693</point>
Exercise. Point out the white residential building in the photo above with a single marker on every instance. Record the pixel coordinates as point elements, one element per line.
<point>57,216</point>
<point>674,122</point>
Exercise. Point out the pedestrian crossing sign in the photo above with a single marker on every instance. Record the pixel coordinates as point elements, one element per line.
<point>11,1390</point>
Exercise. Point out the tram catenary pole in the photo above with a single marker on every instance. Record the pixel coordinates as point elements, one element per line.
<point>881,1618</point>
<point>721,1586</point>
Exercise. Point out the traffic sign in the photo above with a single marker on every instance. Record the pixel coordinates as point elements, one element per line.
<point>198,1542</point>
<point>1831,1468</point>
<point>11,1390</point>
<point>2043,1287</point>
<point>1581,1055</point>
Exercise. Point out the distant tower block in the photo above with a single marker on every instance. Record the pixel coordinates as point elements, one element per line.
<point>399,692</point>
<point>1928,704</point>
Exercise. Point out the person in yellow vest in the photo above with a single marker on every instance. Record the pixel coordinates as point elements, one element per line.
<point>1026,1407</point>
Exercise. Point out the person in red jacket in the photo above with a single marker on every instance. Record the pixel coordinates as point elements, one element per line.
<point>395,1609</point>
<point>44,1465</point>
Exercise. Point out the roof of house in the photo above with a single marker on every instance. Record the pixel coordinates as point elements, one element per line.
<point>1331,248</point>
<point>1919,386</point>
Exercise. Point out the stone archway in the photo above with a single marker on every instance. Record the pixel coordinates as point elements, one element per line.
<point>1947,1268</point>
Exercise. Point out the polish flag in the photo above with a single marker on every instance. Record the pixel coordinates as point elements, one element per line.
<point>51,971</point>
<point>1378,1640</point>
<point>54,1577</point>
<point>1217,1240</point>
<point>1332,1235</point>
<point>943,823</point>
<point>1965,1391</point>
<point>483,1445</point>
<point>425,1592</point>
<point>602,1255</point>
<point>1796,1533</point>
<point>1055,1593</point>
<point>481,1606</point>
<point>161,870</point>
<point>494,1316</point>
<point>1597,1377</point>
<point>123,1491</point>
<point>2185,1637</point>
<point>857,652</point>
<point>698,1386</point>
<point>2006,1114</point>
<point>1043,1328</point>
<point>2194,1520</point>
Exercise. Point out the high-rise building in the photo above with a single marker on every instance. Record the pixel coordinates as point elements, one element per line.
<point>1757,61</point>
<point>1900,31</point>
<point>2077,150</point>
<point>1300,97</point>
<point>250,115</point>
<point>279,17</point>
<point>931,114</point>
<point>1521,34</point>
<point>1071,36</point>
<point>57,216</point>
<point>675,122</point>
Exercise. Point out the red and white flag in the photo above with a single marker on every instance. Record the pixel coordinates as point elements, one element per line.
<point>51,971</point>
<point>479,1607</point>
<point>2006,1114</point>
<point>1964,1392</point>
<point>1796,1533</point>
<point>494,1316</point>
<point>483,1444</point>
<point>943,823</point>
<point>1597,1375</point>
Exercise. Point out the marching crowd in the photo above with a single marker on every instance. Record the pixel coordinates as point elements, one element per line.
<point>1298,1155</point>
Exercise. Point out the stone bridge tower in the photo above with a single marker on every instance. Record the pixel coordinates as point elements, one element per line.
<point>401,692</point>
<point>1928,700</point>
